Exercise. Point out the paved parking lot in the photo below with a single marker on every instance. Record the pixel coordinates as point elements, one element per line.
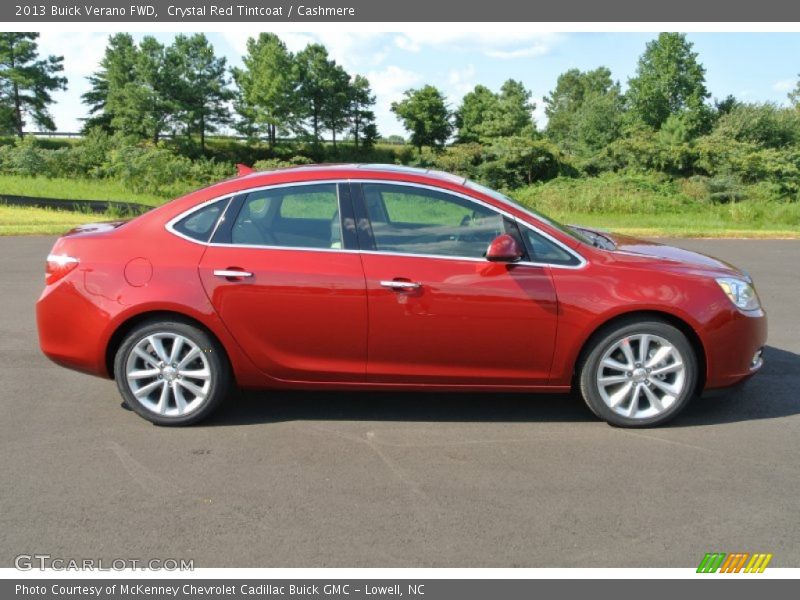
<point>344,479</point>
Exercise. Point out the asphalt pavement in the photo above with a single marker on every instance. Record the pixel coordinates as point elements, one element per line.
<point>298,479</point>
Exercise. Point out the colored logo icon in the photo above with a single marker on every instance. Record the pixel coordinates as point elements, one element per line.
<point>737,562</point>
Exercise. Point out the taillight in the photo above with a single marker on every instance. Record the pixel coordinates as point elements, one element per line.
<point>58,265</point>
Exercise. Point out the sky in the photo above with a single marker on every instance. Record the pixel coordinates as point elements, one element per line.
<point>751,66</point>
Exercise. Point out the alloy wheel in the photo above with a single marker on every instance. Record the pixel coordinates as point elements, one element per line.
<point>169,374</point>
<point>641,376</point>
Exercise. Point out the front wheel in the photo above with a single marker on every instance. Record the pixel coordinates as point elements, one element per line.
<point>639,374</point>
<point>171,373</point>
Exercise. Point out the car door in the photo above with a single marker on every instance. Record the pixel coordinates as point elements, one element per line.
<point>287,282</point>
<point>439,312</point>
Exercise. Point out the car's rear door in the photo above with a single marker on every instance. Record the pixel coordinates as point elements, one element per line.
<point>439,312</point>
<point>286,280</point>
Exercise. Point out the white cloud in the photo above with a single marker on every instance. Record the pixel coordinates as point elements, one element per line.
<point>353,50</point>
<point>388,84</point>
<point>405,42</point>
<point>506,44</point>
<point>461,81</point>
<point>537,49</point>
<point>538,113</point>
<point>82,52</point>
<point>784,85</point>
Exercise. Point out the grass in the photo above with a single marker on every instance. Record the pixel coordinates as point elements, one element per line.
<point>686,225</point>
<point>73,189</point>
<point>22,220</point>
<point>648,205</point>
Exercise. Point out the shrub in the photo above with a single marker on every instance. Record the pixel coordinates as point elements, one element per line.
<point>277,163</point>
<point>462,159</point>
<point>147,170</point>
<point>608,193</point>
<point>23,158</point>
<point>516,161</point>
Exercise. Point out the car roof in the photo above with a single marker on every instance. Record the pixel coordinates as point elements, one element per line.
<point>365,168</point>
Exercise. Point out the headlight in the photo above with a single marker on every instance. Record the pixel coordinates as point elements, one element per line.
<point>740,293</point>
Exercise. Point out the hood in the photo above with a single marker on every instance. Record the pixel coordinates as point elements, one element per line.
<point>686,260</point>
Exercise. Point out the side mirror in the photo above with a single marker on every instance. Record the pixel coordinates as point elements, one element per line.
<point>504,248</point>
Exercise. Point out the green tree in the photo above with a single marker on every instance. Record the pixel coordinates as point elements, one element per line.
<point>201,89</point>
<point>794,95</point>
<point>765,125</point>
<point>146,106</point>
<point>425,116</point>
<point>474,112</point>
<point>316,75</point>
<point>485,116</point>
<point>514,114</point>
<point>26,82</point>
<point>266,99</point>
<point>515,161</point>
<point>584,111</point>
<point>726,105</point>
<point>362,117</point>
<point>669,80</point>
<point>336,108</point>
<point>117,69</point>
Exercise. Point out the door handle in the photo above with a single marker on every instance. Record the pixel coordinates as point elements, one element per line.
<point>401,285</point>
<point>232,273</point>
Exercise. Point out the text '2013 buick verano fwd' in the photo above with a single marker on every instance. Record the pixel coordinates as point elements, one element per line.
<point>387,278</point>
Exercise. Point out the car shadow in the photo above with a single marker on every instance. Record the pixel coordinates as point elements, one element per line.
<point>771,394</point>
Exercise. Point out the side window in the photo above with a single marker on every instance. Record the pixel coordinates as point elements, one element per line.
<point>415,220</point>
<point>543,250</point>
<point>199,225</point>
<point>301,216</point>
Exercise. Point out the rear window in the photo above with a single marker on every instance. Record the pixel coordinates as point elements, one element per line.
<point>200,224</point>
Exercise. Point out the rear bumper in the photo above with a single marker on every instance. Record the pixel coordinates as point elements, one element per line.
<point>72,329</point>
<point>731,346</point>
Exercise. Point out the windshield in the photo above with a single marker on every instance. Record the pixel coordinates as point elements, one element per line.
<point>570,231</point>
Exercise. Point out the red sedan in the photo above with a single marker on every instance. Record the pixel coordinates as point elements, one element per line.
<point>369,277</point>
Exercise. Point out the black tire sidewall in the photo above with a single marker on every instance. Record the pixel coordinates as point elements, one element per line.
<point>218,364</point>
<point>588,384</point>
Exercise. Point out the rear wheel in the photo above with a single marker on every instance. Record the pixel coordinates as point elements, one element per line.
<point>172,373</point>
<point>639,374</point>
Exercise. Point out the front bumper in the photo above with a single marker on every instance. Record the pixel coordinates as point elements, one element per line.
<point>734,347</point>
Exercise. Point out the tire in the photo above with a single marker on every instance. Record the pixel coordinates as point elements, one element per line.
<point>185,388</point>
<point>627,391</point>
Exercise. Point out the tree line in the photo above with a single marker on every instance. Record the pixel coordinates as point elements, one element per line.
<point>586,111</point>
<point>664,121</point>
<point>149,89</point>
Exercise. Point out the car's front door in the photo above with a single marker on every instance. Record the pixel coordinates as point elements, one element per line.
<point>283,280</point>
<point>439,312</point>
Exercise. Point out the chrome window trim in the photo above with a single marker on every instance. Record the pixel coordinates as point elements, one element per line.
<point>170,226</point>
<point>582,262</point>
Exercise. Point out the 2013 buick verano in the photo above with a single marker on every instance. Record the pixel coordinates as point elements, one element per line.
<point>387,278</point>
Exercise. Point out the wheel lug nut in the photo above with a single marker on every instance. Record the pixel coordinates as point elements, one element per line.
<point>628,373</point>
